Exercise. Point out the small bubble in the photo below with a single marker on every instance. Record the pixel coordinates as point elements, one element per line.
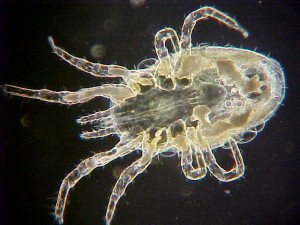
<point>239,103</point>
<point>137,3</point>
<point>98,51</point>
<point>289,147</point>
<point>109,25</point>
<point>228,104</point>
<point>25,121</point>
<point>227,191</point>
<point>186,191</point>
<point>112,23</point>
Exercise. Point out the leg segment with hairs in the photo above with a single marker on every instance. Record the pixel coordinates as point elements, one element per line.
<point>101,117</point>
<point>190,171</point>
<point>87,166</point>
<point>115,92</point>
<point>98,133</point>
<point>205,13</point>
<point>167,65</point>
<point>236,172</point>
<point>161,37</point>
<point>125,179</point>
<point>96,69</point>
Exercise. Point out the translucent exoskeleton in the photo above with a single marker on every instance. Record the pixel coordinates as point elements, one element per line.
<point>190,100</point>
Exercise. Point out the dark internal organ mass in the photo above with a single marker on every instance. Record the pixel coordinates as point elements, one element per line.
<point>157,108</point>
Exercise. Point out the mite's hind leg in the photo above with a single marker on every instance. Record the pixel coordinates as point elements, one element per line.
<point>115,92</point>
<point>125,179</point>
<point>205,13</point>
<point>96,69</point>
<point>236,172</point>
<point>188,159</point>
<point>87,166</point>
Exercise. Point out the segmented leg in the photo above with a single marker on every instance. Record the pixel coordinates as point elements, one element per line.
<point>125,179</point>
<point>96,69</point>
<point>190,171</point>
<point>115,92</point>
<point>221,174</point>
<point>161,37</point>
<point>87,166</point>
<point>97,117</point>
<point>167,65</point>
<point>98,133</point>
<point>205,13</point>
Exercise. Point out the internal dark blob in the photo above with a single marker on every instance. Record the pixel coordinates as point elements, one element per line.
<point>157,108</point>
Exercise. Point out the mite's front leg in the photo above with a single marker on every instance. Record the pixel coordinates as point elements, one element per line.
<point>205,13</point>
<point>96,69</point>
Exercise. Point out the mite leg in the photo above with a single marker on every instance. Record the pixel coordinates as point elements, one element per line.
<point>86,167</point>
<point>98,133</point>
<point>205,13</point>
<point>101,117</point>
<point>161,37</point>
<point>115,92</point>
<point>95,69</point>
<point>125,179</point>
<point>236,172</point>
<point>167,66</point>
<point>190,171</point>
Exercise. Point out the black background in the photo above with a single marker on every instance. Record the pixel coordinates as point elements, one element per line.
<point>40,142</point>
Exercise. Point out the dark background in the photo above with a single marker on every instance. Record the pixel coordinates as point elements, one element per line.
<point>40,142</point>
